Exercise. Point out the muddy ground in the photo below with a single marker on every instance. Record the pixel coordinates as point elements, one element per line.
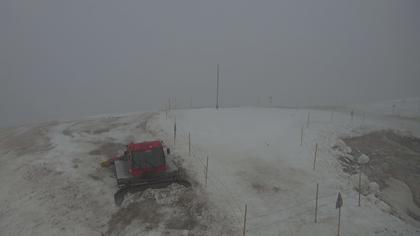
<point>391,156</point>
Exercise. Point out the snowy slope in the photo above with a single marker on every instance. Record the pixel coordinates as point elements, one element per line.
<point>51,182</point>
<point>255,158</point>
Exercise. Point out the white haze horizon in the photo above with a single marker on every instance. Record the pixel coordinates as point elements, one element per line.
<point>72,59</point>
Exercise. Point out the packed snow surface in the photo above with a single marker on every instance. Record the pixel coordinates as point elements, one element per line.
<point>256,159</point>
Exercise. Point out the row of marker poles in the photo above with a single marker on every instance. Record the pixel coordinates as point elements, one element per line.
<point>245,215</point>
<point>170,104</point>
<point>314,165</point>
<point>317,185</point>
<point>352,113</point>
<point>339,202</point>
<point>339,199</point>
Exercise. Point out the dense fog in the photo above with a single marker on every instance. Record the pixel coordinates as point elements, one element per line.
<point>69,59</point>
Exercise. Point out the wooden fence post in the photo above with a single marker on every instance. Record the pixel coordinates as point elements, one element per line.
<point>339,204</point>
<point>175,132</point>
<point>207,169</point>
<point>339,221</point>
<point>316,203</point>
<point>316,151</point>
<point>189,143</point>
<point>244,229</point>
<point>360,184</point>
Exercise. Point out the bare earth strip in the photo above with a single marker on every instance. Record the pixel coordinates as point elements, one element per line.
<point>394,164</point>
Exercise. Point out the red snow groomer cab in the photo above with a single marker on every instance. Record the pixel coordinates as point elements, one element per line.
<point>144,165</point>
<point>146,158</point>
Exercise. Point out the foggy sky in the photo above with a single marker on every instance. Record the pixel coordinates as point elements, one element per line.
<point>62,59</point>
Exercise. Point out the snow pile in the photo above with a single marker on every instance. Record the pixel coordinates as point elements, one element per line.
<point>175,210</point>
<point>363,159</point>
<point>373,188</point>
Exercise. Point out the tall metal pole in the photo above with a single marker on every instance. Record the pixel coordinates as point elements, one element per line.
<point>217,96</point>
